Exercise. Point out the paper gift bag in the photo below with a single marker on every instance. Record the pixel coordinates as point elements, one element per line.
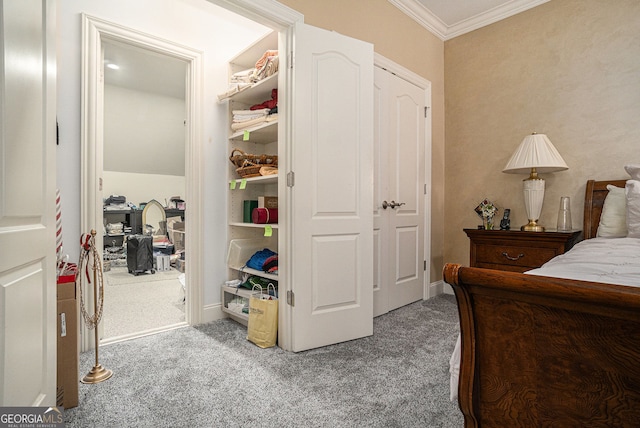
<point>262,328</point>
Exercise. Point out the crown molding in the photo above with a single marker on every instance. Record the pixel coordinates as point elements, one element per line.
<point>431,22</point>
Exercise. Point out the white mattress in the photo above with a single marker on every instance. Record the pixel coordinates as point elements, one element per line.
<point>606,260</point>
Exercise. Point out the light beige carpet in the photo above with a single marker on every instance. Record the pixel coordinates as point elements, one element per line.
<point>135,304</point>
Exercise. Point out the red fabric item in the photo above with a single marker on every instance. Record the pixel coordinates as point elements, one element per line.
<point>264,215</point>
<point>269,103</point>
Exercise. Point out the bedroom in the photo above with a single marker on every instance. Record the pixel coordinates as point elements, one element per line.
<point>586,100</point>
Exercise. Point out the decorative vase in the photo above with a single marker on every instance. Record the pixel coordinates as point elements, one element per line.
<point>487,222</point>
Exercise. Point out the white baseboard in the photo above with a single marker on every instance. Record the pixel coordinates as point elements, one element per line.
<point>433,289</point>
<point>446,288</point>
<point>212,313</point>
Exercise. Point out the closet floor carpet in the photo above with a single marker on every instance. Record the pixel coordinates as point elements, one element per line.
<point>133,304</point>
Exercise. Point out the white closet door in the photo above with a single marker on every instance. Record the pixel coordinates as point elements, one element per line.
<point>331,147</point>
<point>406,186</point>
<point>27,206</point>
<point>399,177</point>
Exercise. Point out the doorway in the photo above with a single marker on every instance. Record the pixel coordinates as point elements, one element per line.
<point>143,167</point>
<point>97,34</point>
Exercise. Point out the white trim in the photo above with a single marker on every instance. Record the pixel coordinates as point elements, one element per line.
<point>436,288</point>
<point>213,313</point>
<point>402,72</point>
<point>446,288</point>
<point>94,31</point>
<point>275,15</point>
<point>269,13</point>
<point>431,22</point>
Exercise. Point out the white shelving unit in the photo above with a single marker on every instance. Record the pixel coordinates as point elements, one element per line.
<point>259,139</point>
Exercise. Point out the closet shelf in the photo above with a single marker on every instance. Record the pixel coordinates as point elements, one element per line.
<point>249,94</point>
<point>253,225</point>
<point>255,272</point>
<point>263,179</point>
<point>263,133</point>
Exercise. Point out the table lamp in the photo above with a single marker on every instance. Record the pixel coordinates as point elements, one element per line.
<point>534,155</point>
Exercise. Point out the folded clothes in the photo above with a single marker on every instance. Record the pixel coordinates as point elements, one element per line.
<point>265,57</point>
<point>243,76</point>
<point>269,104</point>
<point>236,126</point>
<point>268,69</point>
<point>263,111</point>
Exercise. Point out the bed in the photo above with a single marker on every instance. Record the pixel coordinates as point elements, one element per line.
<point>540,350</point>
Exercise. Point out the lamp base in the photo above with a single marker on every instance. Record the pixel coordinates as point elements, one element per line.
<point>532,226</point>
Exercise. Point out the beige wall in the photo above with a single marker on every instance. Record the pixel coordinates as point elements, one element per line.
<point>569,69</point>
<point>400,39</point>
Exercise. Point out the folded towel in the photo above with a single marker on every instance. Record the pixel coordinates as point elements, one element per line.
<point>236,126</point>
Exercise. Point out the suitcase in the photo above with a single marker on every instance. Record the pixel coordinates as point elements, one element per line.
<point>140,254</point>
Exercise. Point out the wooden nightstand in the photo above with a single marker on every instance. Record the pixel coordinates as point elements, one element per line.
<point>517,251</point>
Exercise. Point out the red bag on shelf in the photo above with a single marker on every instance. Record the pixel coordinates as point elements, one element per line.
<point>264,215</point>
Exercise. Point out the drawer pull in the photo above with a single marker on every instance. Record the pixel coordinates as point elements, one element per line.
<point>514,259</point>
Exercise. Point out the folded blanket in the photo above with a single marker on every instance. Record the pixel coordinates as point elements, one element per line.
<point>269,68</point>
<point>265,56</point>
<point>264,111</point>
<point>236,126</point>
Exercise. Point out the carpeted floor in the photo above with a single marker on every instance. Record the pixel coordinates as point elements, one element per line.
<point>211,376</point>
<point>136,304</point>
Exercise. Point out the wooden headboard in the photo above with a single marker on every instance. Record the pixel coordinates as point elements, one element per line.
<point>593,201</point>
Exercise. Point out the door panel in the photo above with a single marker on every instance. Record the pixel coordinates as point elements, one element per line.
<point>331,145</point>
<point>399,175</point>
<point>407,221</point>
<point>27,208</point>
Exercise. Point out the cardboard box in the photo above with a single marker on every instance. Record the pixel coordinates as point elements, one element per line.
<point>67,343</point>
<point>268,202</point>
<point>176,234</point>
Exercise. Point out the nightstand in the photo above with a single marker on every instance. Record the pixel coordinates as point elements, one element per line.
<point>517,251</point>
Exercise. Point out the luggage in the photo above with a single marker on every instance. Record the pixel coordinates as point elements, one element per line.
<point>140,254</point>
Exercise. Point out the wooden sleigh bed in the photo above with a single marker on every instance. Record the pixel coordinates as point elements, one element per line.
<point>540,351</point>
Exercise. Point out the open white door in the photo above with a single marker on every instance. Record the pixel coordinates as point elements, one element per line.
<point>27,204</point>
<point>331,192</point>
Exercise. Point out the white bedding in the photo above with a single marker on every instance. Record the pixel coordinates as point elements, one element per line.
<point>606,260</point>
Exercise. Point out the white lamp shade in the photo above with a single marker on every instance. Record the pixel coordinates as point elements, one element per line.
<point>535,151</point>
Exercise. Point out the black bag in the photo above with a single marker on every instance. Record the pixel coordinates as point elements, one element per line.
<point>140,254</point>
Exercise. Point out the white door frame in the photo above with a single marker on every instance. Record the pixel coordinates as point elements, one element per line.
<point>94,32</point>
<point>415,79</point>
<point>267,12</point>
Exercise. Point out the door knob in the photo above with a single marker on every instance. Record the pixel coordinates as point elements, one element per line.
<point>391,204</point>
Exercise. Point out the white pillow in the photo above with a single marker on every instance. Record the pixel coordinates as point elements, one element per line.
<point>613,220</point>
<point>633,171</point>
<point>632,190</point>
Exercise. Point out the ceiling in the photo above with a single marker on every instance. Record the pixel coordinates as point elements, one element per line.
<point>144,70</point>
<point>450,18</point>
<point>149,71</point>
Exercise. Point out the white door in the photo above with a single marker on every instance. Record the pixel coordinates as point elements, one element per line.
<point>27,204</point>
<point>400,186</point>
<point>331,250</point>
